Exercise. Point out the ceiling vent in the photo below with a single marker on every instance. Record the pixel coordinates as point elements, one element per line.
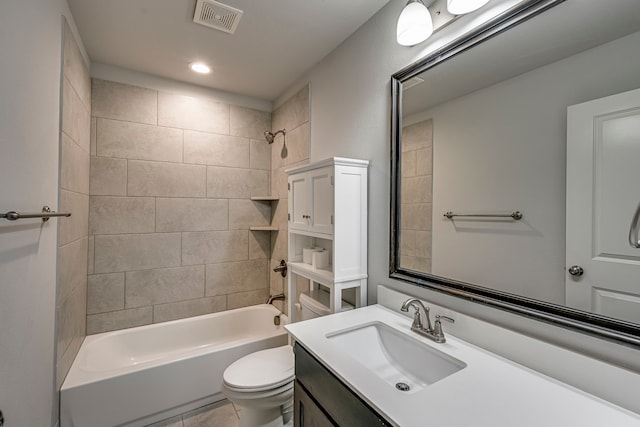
<point>217,15</point>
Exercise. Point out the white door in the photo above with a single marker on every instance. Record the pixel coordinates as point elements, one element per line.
<point>603,192</point>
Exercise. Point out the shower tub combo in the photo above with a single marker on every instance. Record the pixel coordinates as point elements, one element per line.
<point>141,375</point>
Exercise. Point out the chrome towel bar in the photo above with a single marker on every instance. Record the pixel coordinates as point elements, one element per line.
<point>515,215</point>
<point>45,214</point>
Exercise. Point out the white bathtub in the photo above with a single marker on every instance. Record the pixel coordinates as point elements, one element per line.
<point>145,374</point>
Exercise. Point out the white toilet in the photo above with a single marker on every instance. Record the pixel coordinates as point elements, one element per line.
<point>260,384</point>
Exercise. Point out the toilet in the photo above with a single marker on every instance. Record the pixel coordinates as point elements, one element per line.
<point>260,384</point>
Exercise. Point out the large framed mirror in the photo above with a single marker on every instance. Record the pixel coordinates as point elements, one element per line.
<point>516,166</point>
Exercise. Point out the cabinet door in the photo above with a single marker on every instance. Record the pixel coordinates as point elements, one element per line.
<point>298,202</point>
<point>305,411</point>
<point>321,200</point>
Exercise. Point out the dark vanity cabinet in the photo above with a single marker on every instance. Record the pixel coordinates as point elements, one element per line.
<point>321,399</point>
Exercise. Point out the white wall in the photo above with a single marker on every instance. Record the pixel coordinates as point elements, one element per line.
<point>30,48</point>
<point>350,117</point>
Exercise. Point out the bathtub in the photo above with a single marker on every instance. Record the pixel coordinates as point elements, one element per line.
<point>141,375</point>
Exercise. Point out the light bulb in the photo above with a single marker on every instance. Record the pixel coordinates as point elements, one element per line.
<point>414,24</point>
<point>460,7</point>
<point>199,67</point>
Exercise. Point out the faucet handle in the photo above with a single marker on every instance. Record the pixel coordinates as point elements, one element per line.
<point>447,318</point>
<point>437,328</point>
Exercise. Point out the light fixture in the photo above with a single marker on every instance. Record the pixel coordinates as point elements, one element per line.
<point>199,67</point>
<point>460,7</point>
<point>414,24</point>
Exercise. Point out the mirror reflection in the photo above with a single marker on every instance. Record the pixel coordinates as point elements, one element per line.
<point>543,119</point>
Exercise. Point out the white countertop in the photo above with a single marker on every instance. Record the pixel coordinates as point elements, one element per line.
<point>489,391</point>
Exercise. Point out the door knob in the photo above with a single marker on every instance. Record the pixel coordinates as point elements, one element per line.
<point>576,270</point>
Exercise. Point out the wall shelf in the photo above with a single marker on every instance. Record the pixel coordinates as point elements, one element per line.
<point>265,198</point>
<point>264,228</point>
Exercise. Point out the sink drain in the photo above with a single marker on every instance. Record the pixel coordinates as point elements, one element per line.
<point>403,386</point>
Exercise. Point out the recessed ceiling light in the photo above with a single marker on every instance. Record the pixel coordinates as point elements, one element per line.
<point>199,67</point>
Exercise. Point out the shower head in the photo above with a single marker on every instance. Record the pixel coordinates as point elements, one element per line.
<point>271,136</point>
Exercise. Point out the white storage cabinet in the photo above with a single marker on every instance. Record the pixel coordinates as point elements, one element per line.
<point>327,208</point>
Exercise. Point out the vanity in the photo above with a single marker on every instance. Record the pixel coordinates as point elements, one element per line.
<point>366,367</point>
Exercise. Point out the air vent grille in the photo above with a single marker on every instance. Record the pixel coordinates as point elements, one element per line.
<point>217,15</point>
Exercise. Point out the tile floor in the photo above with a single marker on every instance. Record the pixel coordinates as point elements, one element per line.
<point>214,415</point>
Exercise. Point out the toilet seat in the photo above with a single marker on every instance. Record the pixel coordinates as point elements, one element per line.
<point>260,371</point>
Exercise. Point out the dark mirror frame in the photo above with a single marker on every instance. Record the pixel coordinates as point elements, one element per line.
<point>618,331</point>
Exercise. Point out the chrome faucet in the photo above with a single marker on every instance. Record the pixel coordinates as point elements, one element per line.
<point>435,333</point>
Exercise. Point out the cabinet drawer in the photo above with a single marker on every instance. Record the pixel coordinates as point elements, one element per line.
<point>343,406</point>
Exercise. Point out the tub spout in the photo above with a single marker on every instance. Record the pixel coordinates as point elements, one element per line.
<point>275,297</point>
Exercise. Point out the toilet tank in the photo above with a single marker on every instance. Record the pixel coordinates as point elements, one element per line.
<point>315,303</point>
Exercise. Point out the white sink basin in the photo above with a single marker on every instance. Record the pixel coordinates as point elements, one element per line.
<point>397,358</point>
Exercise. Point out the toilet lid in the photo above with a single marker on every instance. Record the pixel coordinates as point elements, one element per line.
<point>261,370</point>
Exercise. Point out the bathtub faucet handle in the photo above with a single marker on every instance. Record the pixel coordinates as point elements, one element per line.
<point>281,268</point>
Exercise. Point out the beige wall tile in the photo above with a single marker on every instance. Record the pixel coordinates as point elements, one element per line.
<point>423,244</point>
<point>74,166</point>
<point>138,141</point>
<point>236,183</point>
<point>249,123</point>
<point>233,277</point>
<point>128,252</point>
<point>75,69</point>
<point>104,322</point>
<point>77,225</point>
<point>76,119</point>
<point>213,149</point>
<point>417,189</point>
<point>417,136</point>
<point>181,214</point>
<point>424,161</point>
<point>259,244</point>
<point>187,112</point>
<point>297,145</point>
<point>108,177</point>
<point>279,183</point>
<point>92,142</point>
<point>70,315</point>
<point>416,264</point>
<point>105,293</point>
<point>214,246</point>
<point>111,100</point>
<point>244,213</point>
<point>260,155</point>
<point>164,285</point>
<point>408,243</point>
<point>65,360</point>
<point>294,111</point>
<point>165,179</point>
<point>416,216</point>
<point>121,215</point>
<point>90,255</point>
<point>244,299</point>
<point>182,309</point>
<point>408,163</point>
<point>72,275</point>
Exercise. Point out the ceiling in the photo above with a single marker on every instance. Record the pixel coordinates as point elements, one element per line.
<point>275,43</point>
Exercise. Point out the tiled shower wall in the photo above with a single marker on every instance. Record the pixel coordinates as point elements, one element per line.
<point>417,199</point>
<point>71,294</point>
<point>292,115</point>
<point>170,208</point>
